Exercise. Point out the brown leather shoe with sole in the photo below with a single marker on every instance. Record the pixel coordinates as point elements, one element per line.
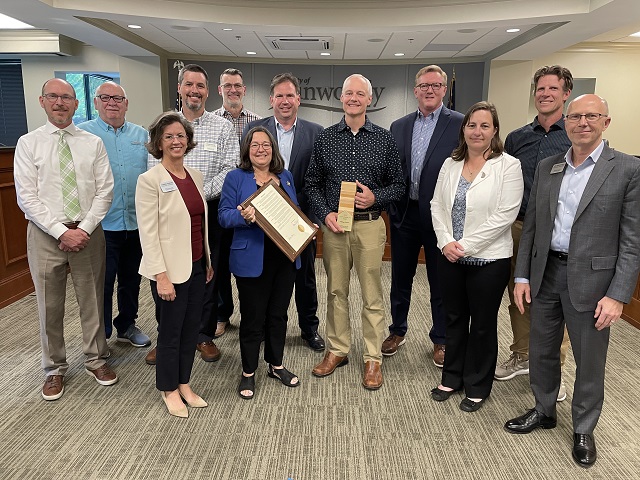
<point>103,375</point>
<point>53,387</point>
<point>150,359</point>
<point>391,344</point>
<point>209,352</point>
<point>438,355</point>
<point>372,375</point>
<point>328,364</point>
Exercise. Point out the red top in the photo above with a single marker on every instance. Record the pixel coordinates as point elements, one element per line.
<point>195,206</point>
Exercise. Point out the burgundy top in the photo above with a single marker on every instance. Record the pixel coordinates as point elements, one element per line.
<point>195,206</point>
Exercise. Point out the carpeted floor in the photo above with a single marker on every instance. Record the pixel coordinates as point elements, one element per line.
<point>328,428</point>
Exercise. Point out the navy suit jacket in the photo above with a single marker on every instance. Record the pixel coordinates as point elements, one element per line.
<point>303,140</point>
<point>444,140</point>
<point>247,247</point>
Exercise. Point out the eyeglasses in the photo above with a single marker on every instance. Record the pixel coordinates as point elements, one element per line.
<point>53,98</point>
<point>227,86</point>
<point>425,86</point>
<point>106,98</point>
<point>169,138</point>
<point>264,145</point>
<point>589,117</point>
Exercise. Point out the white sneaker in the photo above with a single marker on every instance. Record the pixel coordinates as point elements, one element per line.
<point>562,393</point>
<point>517,364</point>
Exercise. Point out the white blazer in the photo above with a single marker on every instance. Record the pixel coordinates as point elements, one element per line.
<point>164,225</point>
<point>493,201</point>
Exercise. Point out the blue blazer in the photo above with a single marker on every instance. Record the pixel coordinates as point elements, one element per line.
<point>444,140</point>
<point>247,247</point>
<point>303,140</point>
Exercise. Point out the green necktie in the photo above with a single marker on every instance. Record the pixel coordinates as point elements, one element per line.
<point>70,200</point>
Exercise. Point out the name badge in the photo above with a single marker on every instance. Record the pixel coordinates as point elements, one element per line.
<point>211,147</point>
<point>557,168</point>
<point>168,186</point>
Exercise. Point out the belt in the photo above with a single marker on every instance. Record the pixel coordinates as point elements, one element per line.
<point>366,216</point>
<point>561,255</point>
<point>71,225</point>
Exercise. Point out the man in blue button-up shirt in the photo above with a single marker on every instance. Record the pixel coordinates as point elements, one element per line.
<point>125,144</point>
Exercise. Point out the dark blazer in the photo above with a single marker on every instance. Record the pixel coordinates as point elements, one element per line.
<point>247,247</point>
<point>304,137</point>
<point>444,140</point>
<point>604,247</point>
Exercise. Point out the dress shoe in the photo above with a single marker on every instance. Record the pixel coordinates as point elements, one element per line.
<point>53,387</point>
<point>181,412</point>
<point>440,395</point>
<point>584,449</point>
<point>103,375</point>
<point>372,375</point>
<point>391,344</point>
<point>315,341</point>
<point>150,359</point>
<point>221,328</point>
<point>438,355</point>
<point>328,364</point>
<point>208,351</point>
<point>196,402</point>
<point>528,422</point>
<point>468,405</point>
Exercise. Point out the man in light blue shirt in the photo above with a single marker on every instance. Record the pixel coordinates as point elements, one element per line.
<point>125,144</point>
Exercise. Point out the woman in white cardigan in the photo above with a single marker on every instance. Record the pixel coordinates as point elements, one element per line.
<point>476,200</point>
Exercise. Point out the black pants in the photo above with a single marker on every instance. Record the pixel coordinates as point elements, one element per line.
<point>471,297</point>
<point>264,301</point>
<point>178,329</point>
<point>306,293</point>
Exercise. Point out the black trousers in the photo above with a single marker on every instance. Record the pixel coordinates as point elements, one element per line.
<point>471,297</point>
<point>306,293</point>
<point>264,301</point>
<point>178,329</point>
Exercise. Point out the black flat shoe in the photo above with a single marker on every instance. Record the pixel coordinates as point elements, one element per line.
<point>441,395</point>
<point>584,449</point>
<point>284,375</point>
<point>529,422</point>
<point>467,405</point>
<point>247,383</point>
<point>315,341</point>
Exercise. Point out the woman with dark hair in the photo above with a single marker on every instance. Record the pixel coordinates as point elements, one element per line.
<point>264,275</point>
<point>476,199</point>
<point>172,220</point>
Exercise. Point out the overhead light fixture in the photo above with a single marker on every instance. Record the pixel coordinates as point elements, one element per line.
<point>375,40</point>
<point>467,30</point>
<point>134,26</point>
<point>251,53</point>
<point>637,34</point>
<point>513,30</point>
<point>399,54</point>
<point>325,54</point>
<point>227,29</point>
<point>8,22</point>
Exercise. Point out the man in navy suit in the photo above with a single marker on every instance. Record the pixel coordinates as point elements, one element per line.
<point>295,139</point>
<point>425,139</point>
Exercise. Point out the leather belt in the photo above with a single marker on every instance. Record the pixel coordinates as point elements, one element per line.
<point>561,255</point>
<point>366,216</point>
<point>71,225</point>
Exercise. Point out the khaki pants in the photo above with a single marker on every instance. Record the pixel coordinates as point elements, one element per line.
<point>363,248</point>
<point>521,322</point>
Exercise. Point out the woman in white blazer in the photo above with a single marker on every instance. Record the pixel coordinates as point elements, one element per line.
<point>476,199</point>
<point>172,221</point>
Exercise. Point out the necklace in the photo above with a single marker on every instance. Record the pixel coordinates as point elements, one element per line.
<point>261,182</point>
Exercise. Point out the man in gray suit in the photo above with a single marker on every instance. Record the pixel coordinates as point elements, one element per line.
<point>578,260</point>
<point>295,138</point>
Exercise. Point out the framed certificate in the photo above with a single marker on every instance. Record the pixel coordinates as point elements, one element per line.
<point>282,221</point>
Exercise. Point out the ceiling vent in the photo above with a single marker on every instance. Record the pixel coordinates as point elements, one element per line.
<point>301,43</point>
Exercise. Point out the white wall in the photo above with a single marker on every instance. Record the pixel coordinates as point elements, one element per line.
<point>140,77</point>
<point>616,75</point>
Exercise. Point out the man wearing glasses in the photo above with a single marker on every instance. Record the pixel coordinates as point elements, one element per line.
<point>425,139</point>
<point>577,265</point>
<point>124,142</point>
<point>64,186</point>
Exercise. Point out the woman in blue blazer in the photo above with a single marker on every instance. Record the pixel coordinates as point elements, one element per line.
<point>264,275</point>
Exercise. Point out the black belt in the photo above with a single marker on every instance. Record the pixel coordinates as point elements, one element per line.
<point>561,255</point>
<point>366,215</point>
<point>71,225</point>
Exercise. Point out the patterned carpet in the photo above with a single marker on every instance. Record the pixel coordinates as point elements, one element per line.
<point>328,428</point>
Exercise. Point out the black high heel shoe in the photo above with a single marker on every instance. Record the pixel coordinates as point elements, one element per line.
<point>284,375</point>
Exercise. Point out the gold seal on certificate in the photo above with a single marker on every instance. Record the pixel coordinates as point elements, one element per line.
<point>346,205</point>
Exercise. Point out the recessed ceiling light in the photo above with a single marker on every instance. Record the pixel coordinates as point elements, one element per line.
<point>227,29</point>
<point>513,30</point>
<point>180,27</point>
<point>325,54</point>
<point>467,30</point>
<point>134,26</point>
<point>375,40</point>
<point>8,22</point>
<point>637,34</point>
<point>399,54</point>
<point>251,53</point>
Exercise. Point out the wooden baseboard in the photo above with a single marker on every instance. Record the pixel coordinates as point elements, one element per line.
<point>14,288</point>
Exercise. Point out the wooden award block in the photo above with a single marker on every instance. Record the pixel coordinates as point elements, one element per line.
<point>346,205</point>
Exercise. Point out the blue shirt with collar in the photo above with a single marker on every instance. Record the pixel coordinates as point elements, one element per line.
<point>423,128</point>
<point>128,159</point>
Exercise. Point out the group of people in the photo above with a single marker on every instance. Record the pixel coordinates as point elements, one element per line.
<point>553,212</point>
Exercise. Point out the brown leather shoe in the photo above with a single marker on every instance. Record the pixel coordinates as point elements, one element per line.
<point>372,375</point>
<point>53,387</point>
<point>438,355</point>
<point>150,359</point>
<point>208,351</point>
<point>103,375</point>
<point>391,344</point>
<point>328,364</point>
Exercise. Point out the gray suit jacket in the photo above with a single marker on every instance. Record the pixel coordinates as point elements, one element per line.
<point>604,247</point>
